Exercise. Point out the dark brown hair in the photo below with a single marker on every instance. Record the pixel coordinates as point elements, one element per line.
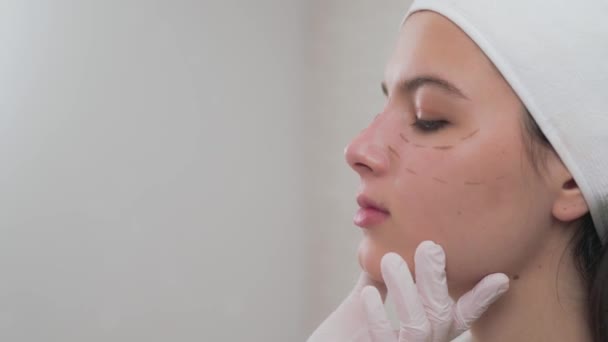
<point>591,258</point>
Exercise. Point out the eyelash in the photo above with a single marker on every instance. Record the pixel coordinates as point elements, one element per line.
<point>429,126</point>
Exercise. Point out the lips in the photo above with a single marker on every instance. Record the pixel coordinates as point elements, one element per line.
<point>370,213</point>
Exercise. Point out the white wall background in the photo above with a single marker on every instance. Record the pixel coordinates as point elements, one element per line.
<point>173,170</point>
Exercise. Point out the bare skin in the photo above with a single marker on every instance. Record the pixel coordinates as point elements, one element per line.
<point>446,158</point>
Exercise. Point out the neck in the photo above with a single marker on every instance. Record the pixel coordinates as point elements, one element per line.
<point>546,301</point>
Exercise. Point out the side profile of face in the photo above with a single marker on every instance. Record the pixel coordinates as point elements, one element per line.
<point>447,160</point>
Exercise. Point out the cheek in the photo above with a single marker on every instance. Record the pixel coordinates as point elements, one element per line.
<point>471,203</point>
<point>494,221</point>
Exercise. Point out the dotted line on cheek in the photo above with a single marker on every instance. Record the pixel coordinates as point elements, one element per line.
<point>446,147</point>
<point>473,183</point>
<point>470,135</point>
<point>440,180</point>
<point>443,181</point>
<point>392,150</point>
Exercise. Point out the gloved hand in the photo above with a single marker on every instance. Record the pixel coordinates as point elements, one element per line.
<point>425,310</point>
<point>349,321</point>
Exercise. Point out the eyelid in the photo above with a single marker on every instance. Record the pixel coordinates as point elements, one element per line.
<point>428,115</point>
<point>429,126</point>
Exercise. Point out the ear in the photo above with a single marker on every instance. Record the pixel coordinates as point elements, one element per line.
<point>569,203</point>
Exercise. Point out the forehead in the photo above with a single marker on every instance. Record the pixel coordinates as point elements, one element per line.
<point>430,44</point>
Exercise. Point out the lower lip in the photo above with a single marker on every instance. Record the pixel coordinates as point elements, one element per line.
<point>369,217</point>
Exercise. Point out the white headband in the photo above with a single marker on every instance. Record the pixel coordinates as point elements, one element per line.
<point>554,54</point>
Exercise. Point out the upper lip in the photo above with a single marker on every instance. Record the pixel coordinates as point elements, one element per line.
<point>366,202</point>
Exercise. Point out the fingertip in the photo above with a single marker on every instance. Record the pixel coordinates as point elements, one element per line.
<point>390,261</point>
<point>498,277</point>
<point>491,288</point>
<point>370,292</point>
<point>475,302</point>
<point>391,257</point>
<point>500,281</point>
<point>427,244</point>
<point>431,252</point>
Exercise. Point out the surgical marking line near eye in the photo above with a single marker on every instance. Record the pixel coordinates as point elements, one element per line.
<point>440,180</point>
<point>420,146</point>
<point>391,149</point>
<point>446,147</point>
<point>501,177</point>
<point>404,138</point>
<point>473,183</point>
<point>410,171</point>
<point>470,135</point>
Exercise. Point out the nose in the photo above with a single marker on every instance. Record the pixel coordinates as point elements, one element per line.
<point>367,153</point>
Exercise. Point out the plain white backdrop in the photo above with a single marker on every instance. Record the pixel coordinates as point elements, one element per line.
<point>174,170</point>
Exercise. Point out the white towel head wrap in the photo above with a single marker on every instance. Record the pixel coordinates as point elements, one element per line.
<point>554,54</point>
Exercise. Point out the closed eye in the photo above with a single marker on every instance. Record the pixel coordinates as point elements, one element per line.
<point>429,126</point>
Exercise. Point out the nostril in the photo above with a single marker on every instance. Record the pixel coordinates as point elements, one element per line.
<point>364,166</point>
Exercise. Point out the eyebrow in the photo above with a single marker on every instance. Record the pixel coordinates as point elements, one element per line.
<point>412,85</point>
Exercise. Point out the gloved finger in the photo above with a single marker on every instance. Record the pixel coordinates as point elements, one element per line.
<point>354,297</point>
<point>348,322</point>
<point>414,326</point>
<point>431,281</point>
<point>365,280</point>
<point>433,288</point>
<point>475,302</point>
<point>380,329</point>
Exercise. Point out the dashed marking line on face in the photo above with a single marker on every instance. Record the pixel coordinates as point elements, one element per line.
<point>411,171</point>
<point>440,180</point>
<point>501,178</point>
<point>420,146</point>
<point>472,183</point>
<point>516,277</point>
<point>404,138</point>
<point>392,150</point>
<point>470,135</point>
<point>445,147</point>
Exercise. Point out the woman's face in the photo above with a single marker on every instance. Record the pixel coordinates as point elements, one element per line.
<point>446,159</point>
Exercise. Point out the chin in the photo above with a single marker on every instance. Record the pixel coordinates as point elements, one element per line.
<point>370,255</point>
<point>371,266</point>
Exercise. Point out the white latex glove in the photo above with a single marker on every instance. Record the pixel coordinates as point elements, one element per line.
<point>349,321</point>
<point>425,310</point>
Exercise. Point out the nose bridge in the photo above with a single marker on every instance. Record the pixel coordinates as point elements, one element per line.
<point>368,151</point>
<point>380,130</point>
